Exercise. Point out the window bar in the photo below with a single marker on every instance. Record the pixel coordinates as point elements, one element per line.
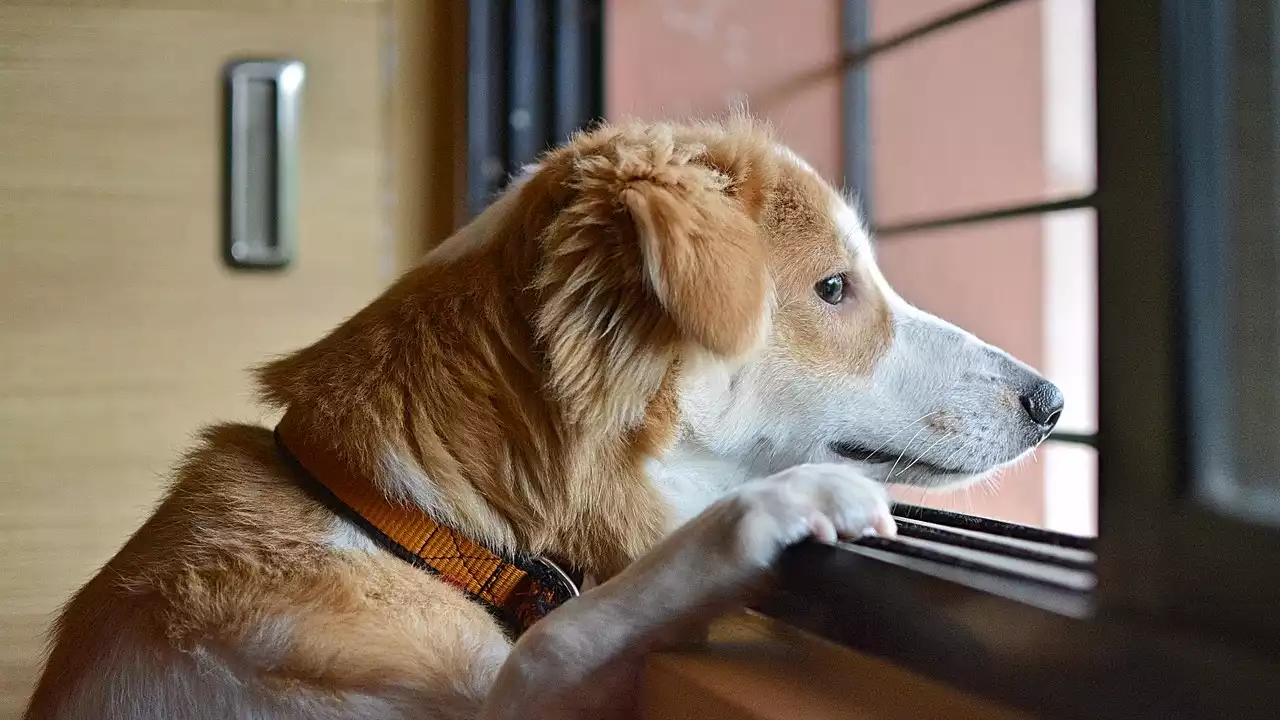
<point>855,29</point>
<point>1073,438</point>
<point>858,57</point>
<point>578,63</point>
<point>568,89</point>
<point>989,526</point>
<point>991,569</point>
<point>528,82</point>
<point>1064,557</point>
<point>1004,213</point>
<point>487,136</point>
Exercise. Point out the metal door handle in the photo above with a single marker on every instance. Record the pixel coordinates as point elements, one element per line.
<point>261,192</point>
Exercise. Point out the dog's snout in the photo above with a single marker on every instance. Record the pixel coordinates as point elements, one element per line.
<point>1043,403</point>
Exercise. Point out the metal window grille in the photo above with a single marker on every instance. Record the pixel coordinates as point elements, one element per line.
<point>535,75</point>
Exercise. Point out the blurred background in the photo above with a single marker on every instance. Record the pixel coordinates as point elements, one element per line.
<point>128,321</point>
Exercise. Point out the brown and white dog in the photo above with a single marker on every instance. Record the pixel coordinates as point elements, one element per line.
<point>664,354</point>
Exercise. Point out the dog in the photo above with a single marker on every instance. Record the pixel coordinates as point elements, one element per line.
<point>660,357</point>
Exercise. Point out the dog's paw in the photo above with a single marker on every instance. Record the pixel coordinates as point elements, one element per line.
<point>821,500</point>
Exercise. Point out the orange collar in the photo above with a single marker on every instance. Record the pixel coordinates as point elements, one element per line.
<point>517,591</point>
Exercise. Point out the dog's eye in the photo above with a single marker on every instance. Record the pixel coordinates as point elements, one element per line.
<point>831,289</point>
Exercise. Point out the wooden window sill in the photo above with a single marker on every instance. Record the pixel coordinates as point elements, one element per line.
<point>755,668</point>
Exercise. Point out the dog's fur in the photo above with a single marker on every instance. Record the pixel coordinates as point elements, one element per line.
<point>622,363</point>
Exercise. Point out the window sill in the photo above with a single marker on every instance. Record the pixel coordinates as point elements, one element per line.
<point>755,668</point>
<point>1022,645</point>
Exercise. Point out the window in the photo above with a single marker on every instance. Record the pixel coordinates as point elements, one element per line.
<point>1182,622</point>
<point>1112,167</point>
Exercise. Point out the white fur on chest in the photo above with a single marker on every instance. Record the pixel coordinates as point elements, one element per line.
<point>713,454</point>
<point>690,479</point>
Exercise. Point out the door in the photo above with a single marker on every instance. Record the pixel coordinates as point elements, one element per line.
<point>121,330</point>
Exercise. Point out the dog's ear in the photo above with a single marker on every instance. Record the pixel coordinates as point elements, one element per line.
<point>654,244</point>
<point>702,254</point>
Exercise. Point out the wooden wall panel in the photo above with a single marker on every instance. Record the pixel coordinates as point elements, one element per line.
<point>121,332</point>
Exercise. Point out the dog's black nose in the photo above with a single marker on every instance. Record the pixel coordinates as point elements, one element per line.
<point>1043,403</point>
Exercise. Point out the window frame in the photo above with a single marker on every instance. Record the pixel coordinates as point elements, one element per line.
<point>1179,623</point>
<point>1185,562</point>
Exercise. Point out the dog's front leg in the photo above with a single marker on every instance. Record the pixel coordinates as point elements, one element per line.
<point>584,659</point>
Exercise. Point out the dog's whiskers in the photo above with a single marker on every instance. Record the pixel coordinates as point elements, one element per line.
<point>957,448</point>
<point>901,430</point>
<point>904,451</point>
<point>924,452</point>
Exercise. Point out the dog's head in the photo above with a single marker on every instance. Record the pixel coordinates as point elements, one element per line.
<point>797,349</point>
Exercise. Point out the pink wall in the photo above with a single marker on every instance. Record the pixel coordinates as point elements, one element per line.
<point>693,58</point>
